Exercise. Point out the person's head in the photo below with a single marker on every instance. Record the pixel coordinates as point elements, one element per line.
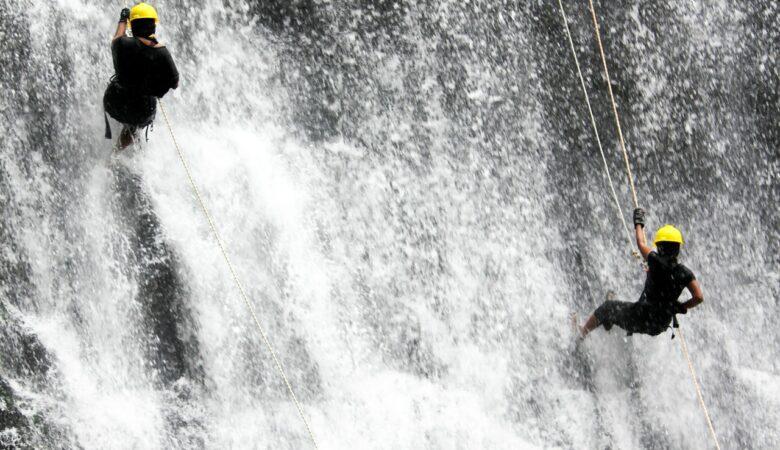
<point>668,241</point>
<point>143,20</point>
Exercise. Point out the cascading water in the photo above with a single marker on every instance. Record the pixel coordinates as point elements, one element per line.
<point>412,196</point>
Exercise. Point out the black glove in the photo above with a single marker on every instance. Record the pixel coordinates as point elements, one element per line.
<point>124,15</point>
<point>679,308</point>
<point>639,217</point>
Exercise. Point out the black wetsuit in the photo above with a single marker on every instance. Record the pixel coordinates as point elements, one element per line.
<point>652,314</point>
<point>142,73</point>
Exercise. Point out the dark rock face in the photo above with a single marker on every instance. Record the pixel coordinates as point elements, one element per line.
<point>166,329</point>
<point>30,360</point>
<point>166,326</point>
<point>27,364</point>
<point>14,426</point>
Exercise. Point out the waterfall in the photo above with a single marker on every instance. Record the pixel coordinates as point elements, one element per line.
<point>412,196</point>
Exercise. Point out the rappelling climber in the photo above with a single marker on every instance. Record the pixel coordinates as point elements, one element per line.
<point>666,279</point>
<point>144,72</point>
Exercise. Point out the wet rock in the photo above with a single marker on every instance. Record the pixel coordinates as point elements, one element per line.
<point>14,426</point>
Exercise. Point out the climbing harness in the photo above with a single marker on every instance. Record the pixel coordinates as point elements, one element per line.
<point>148,121</point>
<point>236,280</point>
<point>630,177</point>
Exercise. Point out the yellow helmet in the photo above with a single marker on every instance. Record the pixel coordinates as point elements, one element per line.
<point>143,11</point>
<point>668,233</point>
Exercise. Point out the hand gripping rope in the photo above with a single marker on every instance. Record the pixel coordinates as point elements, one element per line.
<point>683,344</point>
<point>236,280</point>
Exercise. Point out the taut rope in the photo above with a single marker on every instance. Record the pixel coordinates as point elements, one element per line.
<point>233,273</point>
<point>595,128</point>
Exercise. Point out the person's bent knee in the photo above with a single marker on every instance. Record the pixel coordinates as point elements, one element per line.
<point>608,313</point>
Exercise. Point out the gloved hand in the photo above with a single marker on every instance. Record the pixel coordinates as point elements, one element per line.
<point>679,308</point>
<point>124,15</point>
<point>639,217</point>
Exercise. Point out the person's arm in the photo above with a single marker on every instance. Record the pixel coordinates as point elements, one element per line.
<point>174,75</point>
<point>121,27</point>
<point>697,295</point>
<point>639,231</point>
<point>173,72</point>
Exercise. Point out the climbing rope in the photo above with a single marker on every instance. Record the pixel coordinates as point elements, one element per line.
<point>595,127</point>
<point>614,105</point>
<point>233,273</point>
<point>683,345</point>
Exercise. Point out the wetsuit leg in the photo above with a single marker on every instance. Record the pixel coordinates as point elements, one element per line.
<point>633,317</point>
<point>613,312</point>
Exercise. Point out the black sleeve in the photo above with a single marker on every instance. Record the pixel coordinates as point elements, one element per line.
<point>119,44</point>
<point>163,76</point>
<point>172,72</point>
<point>688,276</point>
<point>119,48</point>
<point>653,261</point>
